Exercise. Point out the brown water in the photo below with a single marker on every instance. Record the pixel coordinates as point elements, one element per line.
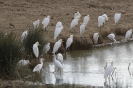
<point>86,67</point>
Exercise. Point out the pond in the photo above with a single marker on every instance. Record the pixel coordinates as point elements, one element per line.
<point>86,67</point>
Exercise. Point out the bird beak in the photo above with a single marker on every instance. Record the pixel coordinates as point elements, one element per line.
<point>29,63</point>
<point>39,44</point>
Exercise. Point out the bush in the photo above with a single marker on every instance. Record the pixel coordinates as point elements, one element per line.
<point>9,53</point>
<point>32,37</point>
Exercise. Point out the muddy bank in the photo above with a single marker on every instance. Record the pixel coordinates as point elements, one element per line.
<point>28,84</point>
<point>86,42</point>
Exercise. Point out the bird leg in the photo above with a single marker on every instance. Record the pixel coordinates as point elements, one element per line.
<point>46,29</point>
<point>74,30</point>
<point>128,65</point>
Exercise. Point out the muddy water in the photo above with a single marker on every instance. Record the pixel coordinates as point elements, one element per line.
<point>87,67</point>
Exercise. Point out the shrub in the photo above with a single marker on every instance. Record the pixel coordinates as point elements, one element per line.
<point>9,53</point>
<point>32,37</point>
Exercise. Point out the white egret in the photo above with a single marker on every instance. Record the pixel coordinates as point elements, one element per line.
<point>36,24</point>
<point>35,49</point>
<point>38,67</point>
<point>108,70</point>
<point>86,19</point>
<point>128,34</point>
<point>100,21</point>
<point>22,63</point>
<point>57,45</point>
<point>95,38</point>
<point>74,23</point>
<point>111,36</point>
<point>60,57</point>
<point>58,65</point>
<point>45,22</point>
<point>117,17</point>
<point>82,28</point>
<point>77,15</point>
<point>69,41</point>
<point>46,48</point>
<point>58,30</point>
<point>24,35</point>
<point>105,18</point>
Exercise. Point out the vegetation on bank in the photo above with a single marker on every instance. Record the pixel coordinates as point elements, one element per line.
<point>12,50</point>
<point>10,53</point>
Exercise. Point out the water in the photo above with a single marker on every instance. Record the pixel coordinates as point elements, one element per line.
<point>86,67</point>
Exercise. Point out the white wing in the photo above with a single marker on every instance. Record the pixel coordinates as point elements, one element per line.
<point>117,17</point>
<point>128,34</point>
<point>68,42</point>
<point>56,47</point>
<point>60,57</point>
<point>95,37</point>
<point>35,50</point>
<point>82,28</point>
<point>100,21</point>
<point>45,22</point>
<point>58,64</point>
<point>74,23</point>
<point>57,32</point>
<point>108,71</point>
<point>37,68</point>
<point>86,19</point>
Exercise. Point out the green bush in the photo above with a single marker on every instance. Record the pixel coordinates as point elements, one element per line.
<point>9,53</point>
<point>32,37</point>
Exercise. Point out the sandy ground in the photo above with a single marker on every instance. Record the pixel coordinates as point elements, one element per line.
<point>18,16</point>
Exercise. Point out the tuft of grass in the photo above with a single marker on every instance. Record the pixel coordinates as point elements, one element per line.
<point>32,37</point>
<point>9,53</point>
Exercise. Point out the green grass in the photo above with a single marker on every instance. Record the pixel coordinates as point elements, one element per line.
<point>9,53</point>
<point>32,37</point>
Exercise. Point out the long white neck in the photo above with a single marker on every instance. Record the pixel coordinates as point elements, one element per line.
<point>41,62</point>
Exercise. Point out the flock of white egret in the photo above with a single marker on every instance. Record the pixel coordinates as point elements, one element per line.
<point>58,59</point>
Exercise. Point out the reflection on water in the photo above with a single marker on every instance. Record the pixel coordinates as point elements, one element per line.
<point>86,67</point>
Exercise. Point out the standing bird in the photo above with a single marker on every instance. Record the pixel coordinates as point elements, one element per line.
<point>95,38</point>
<point>60,57</point>
<point>58,65</point>
<point>69,41</point>
<point>24,35</point>
<point>82,29</point>
<point>45,22</point>
<point>36,24</point>
<point>112,37</point>
<point>39,66</point>
<point>58,30</point>
<point>86,19</point>
<point>117,17</point>
<point>46,48</point>
<point>22,63</point>
<point>100,21</point>
<point>56,46</point>
<point>108,71</point>
<point>73,24</point>
<point>128,34</point>
<point>35,49</point>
